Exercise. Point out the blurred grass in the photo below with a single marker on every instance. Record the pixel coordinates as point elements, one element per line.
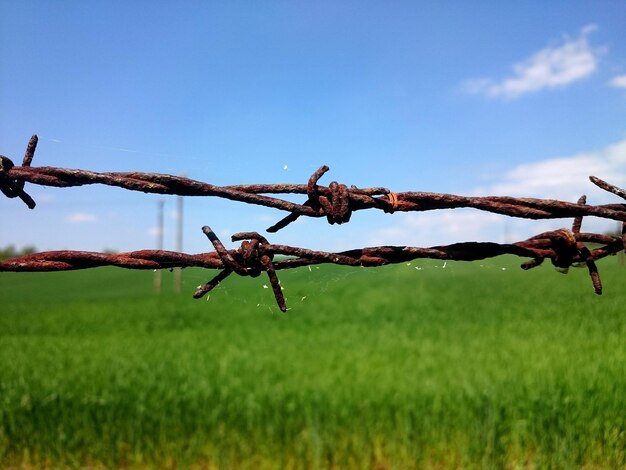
<point>475,365</point>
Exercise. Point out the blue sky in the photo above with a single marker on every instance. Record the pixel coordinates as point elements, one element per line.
<point>515,98</point>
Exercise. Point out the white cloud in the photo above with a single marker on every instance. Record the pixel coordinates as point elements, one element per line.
<point>267,218</point>
<point>80,217</point>
<point>155,231</point>
<point>551,67</point>
<point>43,197</point>
<point>564,178</point>
<point>619,81</point>
<point>440,228</point>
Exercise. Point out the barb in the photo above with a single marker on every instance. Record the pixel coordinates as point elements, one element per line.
<point>256,255</point>
<point>336,202</point>
<point>14,187</point>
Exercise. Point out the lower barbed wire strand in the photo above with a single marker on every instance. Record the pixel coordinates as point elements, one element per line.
<point>563,247</point>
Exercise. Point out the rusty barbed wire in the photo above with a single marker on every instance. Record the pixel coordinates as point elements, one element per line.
<point>336,201</point>
<point>256,255</point>
<point>564,247</point>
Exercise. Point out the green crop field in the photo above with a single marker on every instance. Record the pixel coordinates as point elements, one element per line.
<point>471,365</point>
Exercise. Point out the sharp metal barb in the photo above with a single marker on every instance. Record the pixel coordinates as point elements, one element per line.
<point>30,150</point>
<point>578,221</point>
<point>608,187</point>
<point>201,291</point>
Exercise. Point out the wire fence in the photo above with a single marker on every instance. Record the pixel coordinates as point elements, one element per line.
<point>336,202</point>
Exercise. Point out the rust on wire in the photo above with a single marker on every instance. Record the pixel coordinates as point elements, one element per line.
<point>256,255</point>
<point>14,187</point>
<point>336,202</point>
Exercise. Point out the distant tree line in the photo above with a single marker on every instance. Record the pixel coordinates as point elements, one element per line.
<point>10,251</point>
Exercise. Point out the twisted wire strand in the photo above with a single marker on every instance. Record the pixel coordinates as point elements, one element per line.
<point>336,202</point>
<point>256,255</point>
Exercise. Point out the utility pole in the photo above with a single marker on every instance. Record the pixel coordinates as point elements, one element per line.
<point>178,272</point>
<point>158,274</point>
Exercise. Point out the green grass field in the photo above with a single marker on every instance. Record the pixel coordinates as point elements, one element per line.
<point>475,365</point>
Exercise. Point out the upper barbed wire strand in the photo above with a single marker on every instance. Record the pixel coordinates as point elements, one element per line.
<point>336,202</point>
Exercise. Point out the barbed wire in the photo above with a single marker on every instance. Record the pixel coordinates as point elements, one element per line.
<point>256,255</point>
<point>336,202</point>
